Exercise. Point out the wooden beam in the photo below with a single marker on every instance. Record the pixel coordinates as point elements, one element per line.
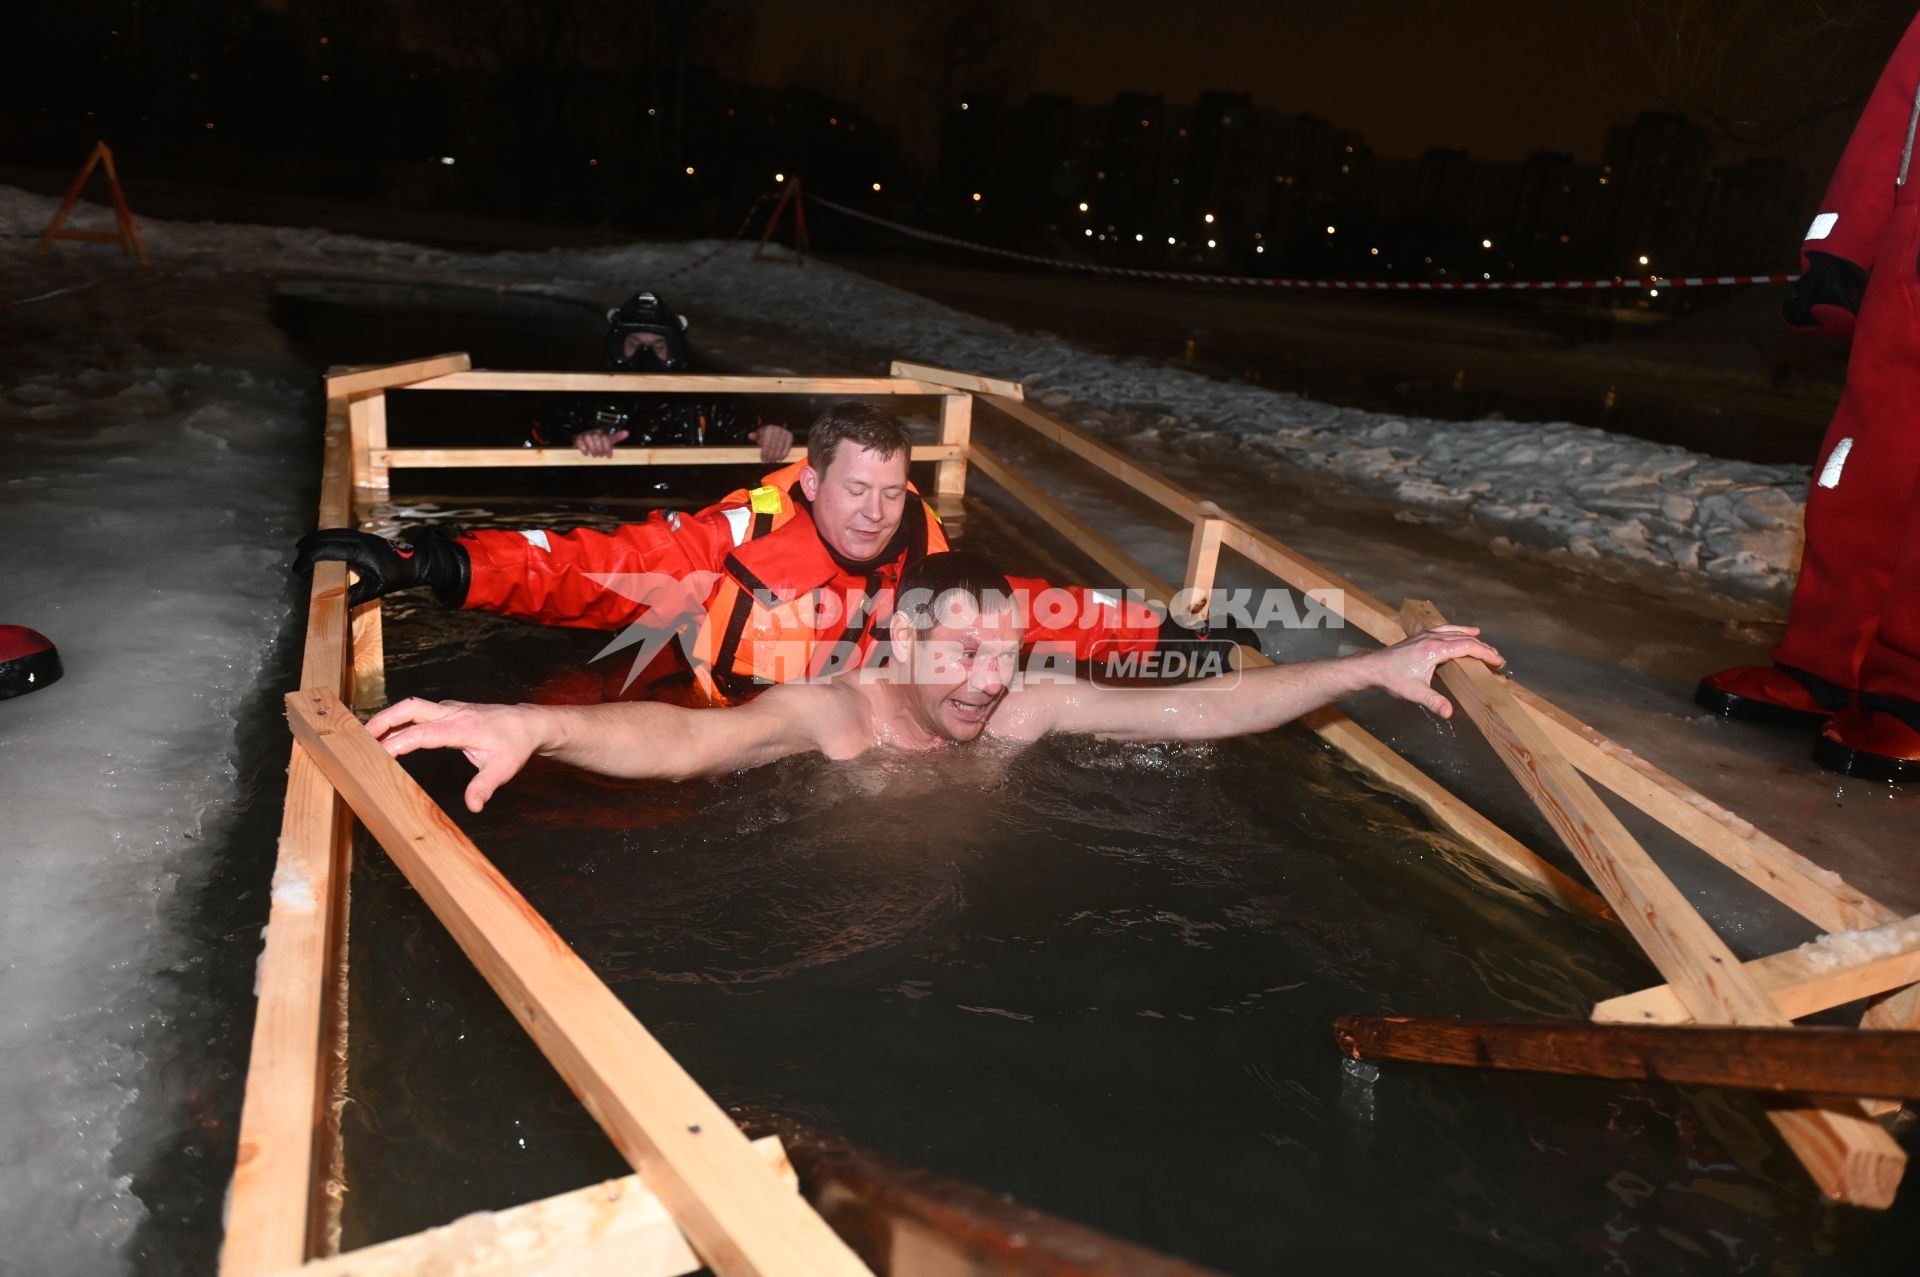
<point>1127,570</point>
<point>615,1228</point>
<point>1480,835</point>
<point>1779,1060</point>
<point>1799,982</point>
<point>1850,1157</point>
<point>910,1222</point>
<point>1347,600</point>
<point>286,1145</point>
<point>1796,882</point>
<point>1114,462</point>
<point>1203,564</point>
<point>369,683</point>
<point>956,428</point>
<point>677,383</point>
<point>367,427</point>
<point>529,458</point>
<point>958,380</point>
<point>395,376</point>
<point>1503,852</point>
<point>738,1215</point>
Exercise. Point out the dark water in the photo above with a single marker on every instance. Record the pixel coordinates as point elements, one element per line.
<point>1098,977</point>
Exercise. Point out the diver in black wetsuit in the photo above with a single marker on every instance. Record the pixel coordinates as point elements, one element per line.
<point>646,335</point>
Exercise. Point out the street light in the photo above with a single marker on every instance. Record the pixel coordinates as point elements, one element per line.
<point>1486,243</point>
<point>976,197</point>
<point>1643,259</point>
<point>779,177</point>
<point>1083,206</point>
<point>1208,219</point>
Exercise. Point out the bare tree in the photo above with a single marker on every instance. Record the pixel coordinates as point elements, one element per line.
<point>1759,72</point>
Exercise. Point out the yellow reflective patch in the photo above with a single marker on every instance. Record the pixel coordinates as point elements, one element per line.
<point>764,500</point>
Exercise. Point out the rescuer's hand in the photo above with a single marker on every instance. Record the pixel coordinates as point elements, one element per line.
<point>497,739</point>
<point>1826,297</point>
<point>1406,669</point>
<point>1192,640</point>
<point>598,443</point>
<point>385,566</point>
<point>775,443</point>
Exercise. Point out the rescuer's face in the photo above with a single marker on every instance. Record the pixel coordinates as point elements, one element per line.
<point>961,666</point>
<point>858,499</point>
<point>652,341</point>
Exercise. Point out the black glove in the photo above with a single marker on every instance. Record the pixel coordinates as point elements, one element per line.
<point>1175,637</point>
<point>385,566</point>
<point>1829,283</point>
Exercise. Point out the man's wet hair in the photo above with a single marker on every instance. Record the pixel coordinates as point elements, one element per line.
<point>927,586</point>
<point>860,424</point>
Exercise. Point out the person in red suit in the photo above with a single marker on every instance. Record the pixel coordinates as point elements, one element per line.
<point>1849,662</point>
<point>791,579</point>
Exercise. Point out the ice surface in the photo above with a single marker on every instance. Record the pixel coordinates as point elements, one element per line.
<point>144,509</point>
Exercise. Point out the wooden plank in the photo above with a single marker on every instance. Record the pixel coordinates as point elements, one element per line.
<point>1114,462</point>
<point>285,1148</point>
<point>1480,835</point>
<point>1203,565</point>
<point>360,421</point>
<point>676,383</point>
<point>376,415</point>
<point>959,380</point>
<point>1127,570</point>
<point>956,429</point>
<point>731,1206</point>
<point>1800,982</point>
<point>1503,853</point>
<point>392,376</point>
<point>1778,1060</point>
<point>1796,882</point>
<point>906,1220</point>
<point>369,682</point>
<point>527,458</point>
<point>615,1228</point>
<point>1850,1157</point>
<point>1349,601</point>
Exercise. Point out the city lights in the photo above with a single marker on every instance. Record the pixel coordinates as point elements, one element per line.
<point>779,177</point>
<point>1331,231</point>
<point>1210,244</point>
<point>1643,259</point>
<point>1083,206</point>
<point>976,197</point>
<point>1486,243</point>
<point>689,170</point>
<point>876,186</point>
<point>1208,219</point>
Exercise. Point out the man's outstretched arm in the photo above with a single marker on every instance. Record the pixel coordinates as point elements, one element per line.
<point>637,740</point>
<point>1260,700</point>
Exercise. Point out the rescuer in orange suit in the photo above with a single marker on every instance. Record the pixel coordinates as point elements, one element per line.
<point>792,579</point>
<point>1849,662</point>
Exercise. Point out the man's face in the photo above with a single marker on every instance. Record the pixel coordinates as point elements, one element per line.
<point>858,499</point>
<point>961,666</point>
<point>650,341</point>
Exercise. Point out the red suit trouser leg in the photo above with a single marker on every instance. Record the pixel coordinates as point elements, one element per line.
<point>1853,621</point>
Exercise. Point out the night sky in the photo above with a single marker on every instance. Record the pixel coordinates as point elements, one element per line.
<point>1497,77</point>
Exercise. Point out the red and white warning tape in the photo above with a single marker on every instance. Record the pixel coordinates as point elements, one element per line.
<point>1348,285</point>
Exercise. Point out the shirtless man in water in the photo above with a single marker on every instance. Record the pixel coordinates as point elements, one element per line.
<point>954,648</point>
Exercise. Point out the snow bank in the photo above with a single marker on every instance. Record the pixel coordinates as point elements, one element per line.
<point>1852,948</point>
<point>1595,494</point>
<point>164,602</point>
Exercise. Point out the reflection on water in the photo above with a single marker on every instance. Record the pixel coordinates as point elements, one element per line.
<point>1098,977</point>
